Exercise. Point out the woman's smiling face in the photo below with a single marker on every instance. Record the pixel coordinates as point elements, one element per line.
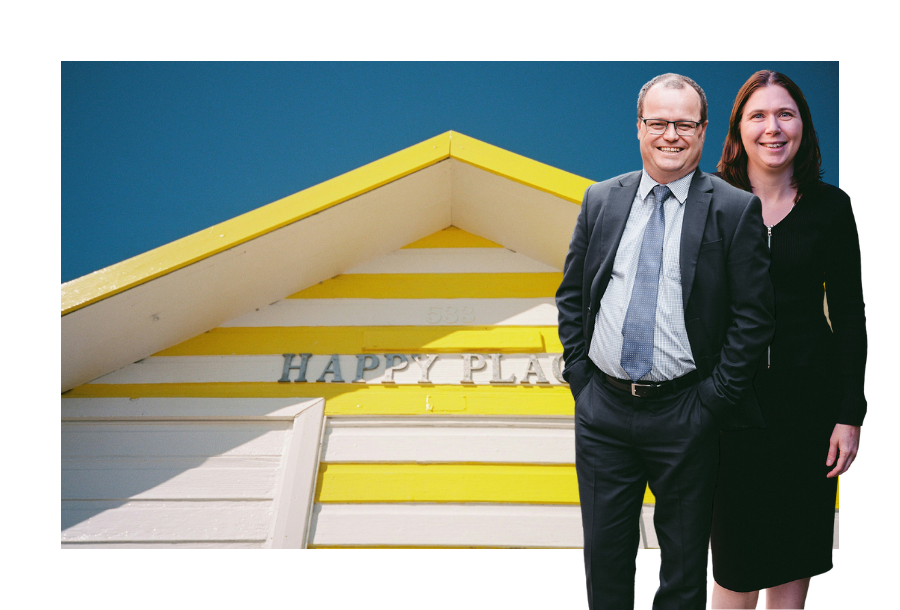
<point>771,129</point>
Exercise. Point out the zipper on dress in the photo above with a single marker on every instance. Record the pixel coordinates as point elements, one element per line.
<point>769,349</point>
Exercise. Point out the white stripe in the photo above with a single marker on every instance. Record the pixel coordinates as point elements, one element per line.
<point>183,408</point>
<point>195,439</point>
<point>452,421</point>
<point>446,369</point>
<point>164,521</point>
<point>421,441</point>
<point>170,478</point>
<point>402,312</point>
<point>163,545</point>
<point>447,525</point>
<point>453,260</point>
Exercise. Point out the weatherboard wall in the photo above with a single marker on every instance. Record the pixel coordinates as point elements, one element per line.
<point>428,452</point>
<point>397,457</point>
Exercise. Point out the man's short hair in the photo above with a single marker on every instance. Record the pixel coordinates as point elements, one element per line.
<point>672,81</point>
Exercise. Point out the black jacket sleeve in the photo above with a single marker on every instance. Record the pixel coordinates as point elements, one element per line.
<point>570,301</point>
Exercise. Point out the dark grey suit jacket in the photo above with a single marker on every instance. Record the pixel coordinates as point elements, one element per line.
<point>728,300</point>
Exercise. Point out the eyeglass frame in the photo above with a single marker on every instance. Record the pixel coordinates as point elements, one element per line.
<point>697,124</point>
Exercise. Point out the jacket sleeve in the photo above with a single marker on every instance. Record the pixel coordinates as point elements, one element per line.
<point>570,304</point>
<point>752,308</point>
<point>846,310</point>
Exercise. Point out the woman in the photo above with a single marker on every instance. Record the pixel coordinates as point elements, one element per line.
<point>774,508</point>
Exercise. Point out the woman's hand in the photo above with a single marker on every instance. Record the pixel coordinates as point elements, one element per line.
<point>844,441</point>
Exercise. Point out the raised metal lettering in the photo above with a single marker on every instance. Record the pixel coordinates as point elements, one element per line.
<point>333,367</point>
<point>496,378</point>
<point>469,366</point>
<point>390,367</point>
<point>534,368</point>
<point>425,361</point>
<point>363,365</point>
<point>288,367</point>
<point>557,372</point>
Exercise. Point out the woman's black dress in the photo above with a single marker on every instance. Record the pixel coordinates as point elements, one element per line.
<point>773,518</point>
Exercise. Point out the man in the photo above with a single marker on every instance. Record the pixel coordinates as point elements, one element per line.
<point>664,311</point>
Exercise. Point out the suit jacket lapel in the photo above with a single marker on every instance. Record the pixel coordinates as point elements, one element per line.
<point>695,213</point>
<point>612,224</point>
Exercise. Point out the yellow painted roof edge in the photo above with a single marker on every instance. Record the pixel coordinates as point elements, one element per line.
<point>518,168</point>
<point>180,253</point>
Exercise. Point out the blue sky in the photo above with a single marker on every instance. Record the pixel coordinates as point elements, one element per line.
<point>155,151</point>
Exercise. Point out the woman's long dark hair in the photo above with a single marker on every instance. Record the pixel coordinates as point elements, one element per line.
<point>807,162</point>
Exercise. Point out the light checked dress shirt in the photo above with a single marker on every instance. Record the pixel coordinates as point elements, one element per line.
<point>672,355</point>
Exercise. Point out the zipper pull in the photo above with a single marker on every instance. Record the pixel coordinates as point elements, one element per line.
<point>769,230</point>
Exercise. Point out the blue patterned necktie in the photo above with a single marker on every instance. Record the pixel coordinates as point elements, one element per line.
<point>640,319</point>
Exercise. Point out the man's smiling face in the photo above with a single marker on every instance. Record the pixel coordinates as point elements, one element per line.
<point>669,156</point>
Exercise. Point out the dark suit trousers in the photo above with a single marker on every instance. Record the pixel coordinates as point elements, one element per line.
<point>621,444</point>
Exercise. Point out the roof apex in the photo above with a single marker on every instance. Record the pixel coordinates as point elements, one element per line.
<point>180,253</point>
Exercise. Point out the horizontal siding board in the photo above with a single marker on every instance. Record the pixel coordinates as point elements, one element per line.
<point>453,237</point>
<point>363,399</point>
<point>447,525</point>
<point>342,483</point>
<point>360,339</point>
<point>266,409</point>
<point>162,545</point>
<point>450,483</point>
<point>139,521</point>
<point>352,340</point>
<point>434,286</point>
<point>169,478</point>
<point>449,444</point>
<point>449,421</point>
<point>96,439</point>
<point>402,312</point>
<point>453,260</point>
<point>446,369</point>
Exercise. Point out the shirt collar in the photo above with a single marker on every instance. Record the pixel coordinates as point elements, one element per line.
<point>679,187</point>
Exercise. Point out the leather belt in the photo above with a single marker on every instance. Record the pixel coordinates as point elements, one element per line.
<point>653,389</point>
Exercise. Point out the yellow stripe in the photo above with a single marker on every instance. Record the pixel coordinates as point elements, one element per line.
<point>518,168</point>
<point>434,286</point>
<point>500,483</point>
<point>157,262</point>
<point>360,339</point>
<point>447,483</point>
<point>358,399</point>
<point>453,237</point>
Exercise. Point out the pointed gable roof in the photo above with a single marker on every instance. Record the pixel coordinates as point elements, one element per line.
<point>135,308</point>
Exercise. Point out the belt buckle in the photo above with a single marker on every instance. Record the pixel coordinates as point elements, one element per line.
<point>635,386</point>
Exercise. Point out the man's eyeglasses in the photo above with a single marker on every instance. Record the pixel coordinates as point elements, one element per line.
<point>659,126</point>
